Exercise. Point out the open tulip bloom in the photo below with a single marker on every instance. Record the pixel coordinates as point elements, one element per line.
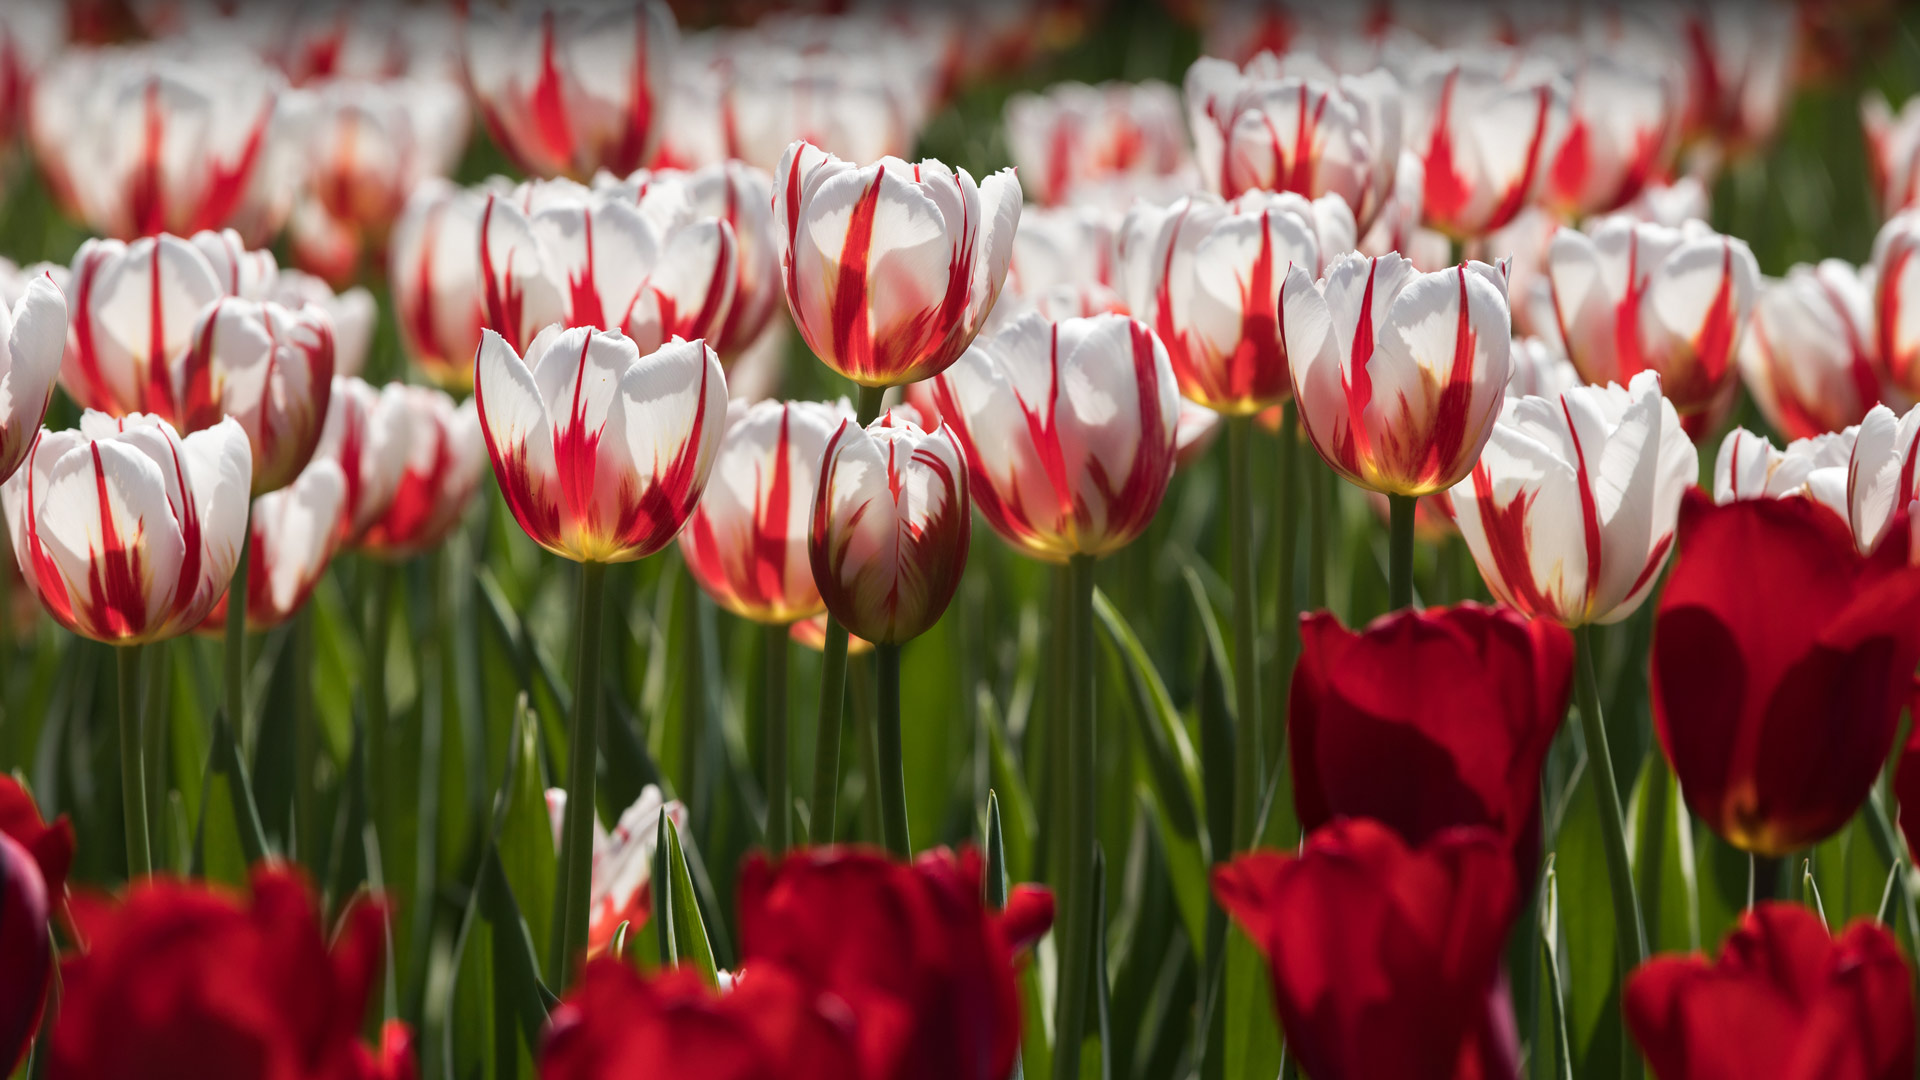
<point>1486,127</point>
<point>1808,355</point>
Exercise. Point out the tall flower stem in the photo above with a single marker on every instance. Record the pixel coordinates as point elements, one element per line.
<point>1630,931</point>
<point>892,781</point>
<point>779,799</point>
<point>1286,542</point>
<point>1400,551</point>
<point>1321,508</point>
<point>833,690</point>
<point>133,772</point>
<point>236,655</point>
<point>306,745</point>
<point>583,746</point>
<point>1076,968</point>
<point>1246,630</point>
<point>379,626</point>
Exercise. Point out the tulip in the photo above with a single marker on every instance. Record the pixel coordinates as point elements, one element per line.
<point>443,456</point>
<point>1399,375</point>
<point>34,859</point>
<point>1074,137</point>
<point>1671,204</point>
<point>165,977</point>
<point>437,295</point>
<point>1370,739</point>
<point>267,367</point>
<point>1069,430</point>
<point>1881,481</point>
<point>353,313</point>
<point>1364,935</point>
<point>1623,127</point>
<point>1486,128</point>
<point>33,332</point>
<point>1540,369</point>
<point>890,269</point>
<point>1777,707</point>
<point>1893,151</point>
<point>1739,69</point>
<point>622,257</point>
<point>1784,999</point>
<point>923,967</point>
<point>1209,277</point>
<point>1807,357</point>
<point>568,89</point>
<point>622,862</point>
<point>1748,467</point>
<point>1630,296</point>
<point>1066,248</point>
<point>1896,299</point>
<point>368,434</point>
<point>812,633</point>
<point>132,316</point>
<point>1292,124</point>
<point>854,87</point>
<point>294,534</point>
<point>616,1022</point>
<point>1570,511</point>
<point>742,196</point>
<point>371,142</point>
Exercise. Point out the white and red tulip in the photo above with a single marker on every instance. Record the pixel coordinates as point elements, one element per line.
<point>294,535</point>
<point>1896,300</point>
<point>601,452</point>
<point>1570,511</point>
<point>268,367</point>
<point>1808,354</point>
<point>33,336</point>
<point>568,89</point>
<point>746,543</point>
<point>1069,429</point>
<point>1748,467</point>
<point>132,310</point>
<point>1398,375</point>
<point>126,532</point>
<point>890,269</point>
<point>371,142</point>
<point>1486,128</point>
<point>1074,137</point>
<point>443,457</point>
<point>1893,151</point>
<point>891,522</point>
<point>742,196</point>
<point>434,266</point>
<point>1623,128</point>
<point>622,862</point>
<point>1740,57</point>
<point>368,432</point>
<point>1208,275</point>
<point>1883,474</point>
<point>353,312</point>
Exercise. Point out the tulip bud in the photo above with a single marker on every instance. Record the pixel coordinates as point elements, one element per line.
<point>601,452</point>
<point>1363,934</point>
<point>620,893</point>
<point>267,367</point>
<point>1399,375</point>
<point>32,336</point>
<point>294,532</point>
<point>891,521</point>
<point>1209,277</point>
<point>568,89</point>
<point>34,859</point>
<point>1570,511</point>
<point>1069,430</point>
<point>1778,706</point>
<point>1748,467</point>
<point>1893,151</point>
<point>890,270</point>
<point>1783,999</point>
<point>1075,137</point>
<point>1486,127</point>
<point>1807,357</point>
<point>747,541</point>
<point>437,294</point>
<point>1630,296</point>
<point>125,531</point>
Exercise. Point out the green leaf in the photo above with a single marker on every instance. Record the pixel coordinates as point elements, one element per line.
<point>1004,776</point>
<point>525,831</point>
<point>689,927</point>
<point>1592,963</point>
<point>1253,1033</point>
<point>1103,1007</point>
<point>1660,842</point>
<point>996,882</point>
<point>1556,997</point>
<point>1170,758</point>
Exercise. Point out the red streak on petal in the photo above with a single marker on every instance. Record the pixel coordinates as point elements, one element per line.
<point>1887,288</point>
<point>200,406</point>
<point>1358,382</point>
<point>146,198</point>
<point>629,152</point>
<point>852,342</point>
<point>1568,178</point>
<point>1446,192</point>
<point>116,601</point>
<point>552,129</point>
<point>768,576</point>
<point>582,292</point>
<point>158,394</point>
<point>576,453</point>
<point>227,182</point>
<point>1516,196</point>
<point>94,392</point>
<point>49,582</point>
<point>1589,508</point>
<point>1714,345</point>
<point>1505,527</point>
<point>503,300</point>
<point>1456,399</point>
<point>1629,358</point>
<point>1866,383</point>
<point>650,516</point>
<point>538,515</point>
<point>187,589</point>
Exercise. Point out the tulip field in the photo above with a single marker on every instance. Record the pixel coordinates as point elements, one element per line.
<point>1057,539</point>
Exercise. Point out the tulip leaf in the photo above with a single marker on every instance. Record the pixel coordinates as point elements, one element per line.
<point>1660,841</point>
<point>1849,873</point>
<point>1101,985</point>
<point>617,948</point>
<point>660,884</point>
<point>1592,963</point>
<point>995,885</point>
<point>1253,1035</point>
<point>1014,807</point>
<point>525,829</point>
<point>1186,872</point>
<point>1556,998</point>
<point>689,926</point>
<point>1171,763</point>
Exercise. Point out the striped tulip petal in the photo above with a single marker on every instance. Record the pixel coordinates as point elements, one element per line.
<point>32,338</point>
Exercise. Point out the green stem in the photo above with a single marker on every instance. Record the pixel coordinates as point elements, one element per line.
<point>779,801</point>
<point>306,745</point>
<point>1077,854</point>
<point>1630,930</point>
<point>1400,551</point>
<point>833,688</point>
<point>1286,613</point>
<point>133,779</point>
<point>1321,507</point>
<point>153,737</point>
<point>1248,759</point>
<point>379,627</point>
<point>583,744</point>
<point>236,653</point>
<point>892,781</point>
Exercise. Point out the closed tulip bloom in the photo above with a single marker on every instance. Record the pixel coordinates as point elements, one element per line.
<point>1068,246</point>
<point>1291,124</point>
<point>890,269</point>
<point>371,142</point>
<point>601,452</point>
<point>1807,357</point>
<point>1570,511</point>
<point>1881,476</point>
<point>1486,128</point>
<point>125,531</point>
<point>1893,151</point>
<point>1370,740</point>
<point>1630,297</point>
<point>443,456</point>
<point>1540,369</point>
<point>1208,277</point>
<point>1778,706</point>
<point>215,983</point>
<point>832,94</point>
<point>34,859</point>
<point>742,196</point>
<point>1366,936</point>
<point>33,336</point>
<point>438,299</point>
<point>1748,467</point>
<point>1069,429</point>
<point>569,88</point>
<point>247,273</point>
<point>891,522</point>
<point>1785,999</point>
<point>620,892</point>
<point>1399,375</point>
<point>1074,136</point>
<point>294,531</point>
<point>267,367</point>
<point>746,543</point>
<point>1623,127</point>
<point>1896,299</point>
<point>368,433</point>
<point>353,313</point>
<point>1740,68</point>
<point>132,314</point>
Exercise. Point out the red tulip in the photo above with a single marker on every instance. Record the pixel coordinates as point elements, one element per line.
<point>1384,958</point>
<point>1778,705</point>
<point>1785,1001</point>
<point>923,967</point>
<point>194,981</point>
<point>34,859</point>
<point>1428,720</point>
<point>769,1026</point>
